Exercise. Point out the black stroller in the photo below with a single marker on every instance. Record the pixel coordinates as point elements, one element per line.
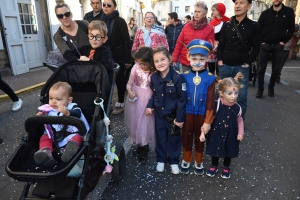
<point>91,87</point>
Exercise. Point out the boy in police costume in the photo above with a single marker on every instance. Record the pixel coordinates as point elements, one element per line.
<point>200,90</point>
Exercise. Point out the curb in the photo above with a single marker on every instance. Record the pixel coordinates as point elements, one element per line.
<point>23,91</point>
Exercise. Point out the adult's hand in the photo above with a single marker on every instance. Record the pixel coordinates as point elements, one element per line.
<point>174,64</point>
<point>220,63</point>
<point>127,65</point>
<point>281,43</point>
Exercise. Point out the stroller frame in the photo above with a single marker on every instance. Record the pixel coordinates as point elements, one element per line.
<point>93,147</point>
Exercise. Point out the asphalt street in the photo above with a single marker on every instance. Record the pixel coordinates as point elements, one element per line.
<point>267,167</point>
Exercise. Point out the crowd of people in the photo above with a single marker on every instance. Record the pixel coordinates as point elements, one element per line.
<point>174,101</point>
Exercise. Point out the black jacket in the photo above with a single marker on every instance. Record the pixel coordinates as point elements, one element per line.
<point>90,16</point>
<point>276,26</point>
<point>102,55</point>
<point>231,50</point>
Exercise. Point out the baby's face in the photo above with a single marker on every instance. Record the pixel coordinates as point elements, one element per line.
<point>97,38</point>
<point>59,97</point>
<point>197,61</point>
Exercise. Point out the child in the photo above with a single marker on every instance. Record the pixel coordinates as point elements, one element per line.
<point>227,129</point>
<point>200,84</point>
<point>60,103</point>
<point>140,127</point>
<point>168,102</point>
<point>95,50</point>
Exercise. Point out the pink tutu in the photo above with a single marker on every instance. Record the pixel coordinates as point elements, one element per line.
<point>141,128</point>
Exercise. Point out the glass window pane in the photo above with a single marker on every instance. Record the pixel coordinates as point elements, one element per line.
<point>28,29</point>
<point>25,8</point>
<point>20,7</point>
<point>32,19</point>
<point>26,19</point>
<point>23,29</point>
<point>31,9</point>
<point>34,29</point>
<point>21,19</point>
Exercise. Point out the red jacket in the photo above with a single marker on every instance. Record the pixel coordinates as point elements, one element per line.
<point>186,36</point>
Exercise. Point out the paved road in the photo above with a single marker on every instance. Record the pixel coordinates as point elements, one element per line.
<point>268,166</point>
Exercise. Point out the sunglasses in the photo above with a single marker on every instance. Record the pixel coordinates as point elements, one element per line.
<point>107,4</point>
<point>60,16</point>
<point>97,37</point>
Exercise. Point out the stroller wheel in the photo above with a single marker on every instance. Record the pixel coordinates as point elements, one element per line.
<point>119,166</point>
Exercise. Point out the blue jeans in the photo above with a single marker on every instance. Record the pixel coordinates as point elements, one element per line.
<point>231,71</point>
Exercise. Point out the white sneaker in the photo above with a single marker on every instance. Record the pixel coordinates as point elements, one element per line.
<point>160,167</point>
<point>174,169</point>
<point>17,105</point>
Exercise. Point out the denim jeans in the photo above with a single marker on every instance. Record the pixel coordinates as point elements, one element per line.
<point>231,71</point>
<point>277,53</point>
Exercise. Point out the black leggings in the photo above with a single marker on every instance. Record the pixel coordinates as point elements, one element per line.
<point>121,81</point>
<point>215,161</point>
<point>7,89</point>
<point>212,66</point>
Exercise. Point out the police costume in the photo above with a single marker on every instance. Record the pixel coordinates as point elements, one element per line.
<point>168,101</point>
<point>200,103</point>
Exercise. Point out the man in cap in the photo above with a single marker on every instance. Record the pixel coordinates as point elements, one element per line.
<point>238,47</point>
<point>200,87</point>
<point>96,13</point>
<point>277,25</point>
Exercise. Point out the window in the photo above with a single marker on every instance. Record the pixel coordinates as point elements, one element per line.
<point>187,9</point>
<point>27,17</point>
<point>164,3</point>
<point>176,9</point>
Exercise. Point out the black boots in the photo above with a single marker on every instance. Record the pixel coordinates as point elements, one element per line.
<point>137,151</point>
<point>270,91</point>
<point>259,93</point>
<point>143,156</point>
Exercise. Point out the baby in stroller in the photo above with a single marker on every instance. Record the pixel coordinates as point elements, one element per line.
<point>60,103</point>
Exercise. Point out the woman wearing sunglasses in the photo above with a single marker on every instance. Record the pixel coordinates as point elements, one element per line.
<point>71,34</point>
<point>150,35</point>
<point>119,44</point>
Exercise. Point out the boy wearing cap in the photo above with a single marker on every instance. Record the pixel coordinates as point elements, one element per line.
<point>200,89</point>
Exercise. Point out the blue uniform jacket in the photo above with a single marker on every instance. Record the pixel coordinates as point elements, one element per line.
<point>197,94</point>
<point>169,94</point>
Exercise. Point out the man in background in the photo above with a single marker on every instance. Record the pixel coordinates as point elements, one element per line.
<point>96,13</point>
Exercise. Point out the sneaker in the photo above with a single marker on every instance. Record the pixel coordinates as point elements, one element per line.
<point>44,156</point>
<point>160,167</point>
<point>199,169</point>
<point>270,91</point>
<point>17,105</point>
<point>185,167</point>
<point>212,171</point>
<point>119,107</point>
<point>174,169</point>
<point>70,150</point>
<point>226,173</point>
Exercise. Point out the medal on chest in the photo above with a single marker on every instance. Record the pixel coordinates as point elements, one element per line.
<point>197,79</point>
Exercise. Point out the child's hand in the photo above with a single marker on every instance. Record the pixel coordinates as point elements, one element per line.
<point>40,113</point>
<point>205,128</point>
<point>84,58</point>
<point>202,137</point>
<point>149,111</point>
<point>131,94</point>
<point>180,124</point>
<point>240,137</point>
<point>64,110</point>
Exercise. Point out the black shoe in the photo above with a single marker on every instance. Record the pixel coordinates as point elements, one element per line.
<point>259,94</point>
<point>143,157</point>
<point>270,91</point>
<point>277,79</point>
<point>137,151</point>
<point>1,140</point>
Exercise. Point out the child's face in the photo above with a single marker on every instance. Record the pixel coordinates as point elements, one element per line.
<point>97,38</point>
<point>145,66</point>
<point>230,94</point>
<point>161,62</point>
<point>59,97</point>
<point>197,61</point>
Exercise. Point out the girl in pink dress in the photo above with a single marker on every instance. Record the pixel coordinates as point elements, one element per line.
<point>141,128</point>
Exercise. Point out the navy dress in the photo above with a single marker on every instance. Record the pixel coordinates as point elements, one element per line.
<point>222,138</point>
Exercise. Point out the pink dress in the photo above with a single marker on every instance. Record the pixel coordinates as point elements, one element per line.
<point>141,128</point>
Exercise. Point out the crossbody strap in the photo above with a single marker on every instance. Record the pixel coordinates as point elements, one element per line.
<point>238,32</point>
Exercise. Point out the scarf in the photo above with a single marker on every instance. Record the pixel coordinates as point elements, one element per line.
<point>107,20</point>
<point>154,29</point>
<point>199,24</point>
<point>221,9</point>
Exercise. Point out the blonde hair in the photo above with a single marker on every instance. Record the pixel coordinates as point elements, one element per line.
<point>63,85</point>
<point>98,25</point>
<point>228,82</point>
<point>60,4</point>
